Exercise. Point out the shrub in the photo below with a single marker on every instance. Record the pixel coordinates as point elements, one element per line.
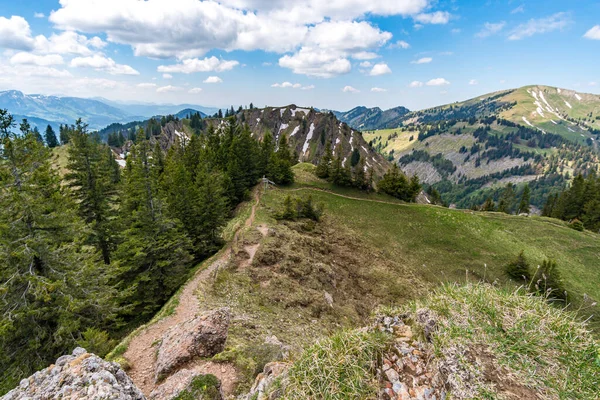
<point>518,269</point>
<point>96,341</point>
<point>577,225</point>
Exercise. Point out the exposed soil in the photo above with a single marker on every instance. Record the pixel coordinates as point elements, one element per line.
<point>141,352</point>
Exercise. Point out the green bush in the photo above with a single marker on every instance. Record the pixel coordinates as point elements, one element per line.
<point>206,387</point>
<point>97,342</point>
<point>577,225</point>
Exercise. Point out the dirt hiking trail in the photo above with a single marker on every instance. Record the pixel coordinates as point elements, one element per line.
<point>141,353</point>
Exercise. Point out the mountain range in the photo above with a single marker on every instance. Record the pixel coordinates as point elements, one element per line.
<point>41,110</point>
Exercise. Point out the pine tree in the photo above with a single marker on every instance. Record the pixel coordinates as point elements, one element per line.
<point>154,253</point>
<point>507,199</point>
<point>50,284</point>
<point>64,134</point>
<point>355,157</point>
<point>266,157</point>
<point>24,127</point>
<point>359,177</point>
<point>37,135</point>
<point>7,122</point>
<point>525,198</point>
<point>519,269</point>
<point>324,167</point>
<point>282,165</point>
<point>395,183</point>
<point>489,205</point>
<point>50,137</point>
<point>91,178</point>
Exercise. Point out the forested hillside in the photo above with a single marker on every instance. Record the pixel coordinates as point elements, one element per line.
<point>477,150</point>
<point>90,250</point>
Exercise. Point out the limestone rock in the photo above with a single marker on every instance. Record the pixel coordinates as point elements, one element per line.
<point>202,336</point>
<point>81,375</point>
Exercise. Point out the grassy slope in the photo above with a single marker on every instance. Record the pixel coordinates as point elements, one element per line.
<point>440,244</point>
<point>365,254</point>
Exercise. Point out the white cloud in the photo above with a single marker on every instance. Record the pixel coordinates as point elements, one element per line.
<point>169,88</point>
<point>518,10</point>
<point>415,84</point>
<point>167,76</point>
<point>316,62</point>
<point>23,58</point>
<point>350,89</point>
<point>15,33</point>
<point>267,64</point>
<point>593,33</point>
<point>213,79</point>
<point>593,83</point>
<point>456,31</point>
<point>195,90</point>
<point>378,90</point>
<point>199,65</point>
<point>364,55</point>
<point>292,85</point>
<point>473,82</point>
<point>101,63</point>
<point>27,71</point>
<point>401,44</point>
<point>366,64</point>
<point>490,29</point>
<point>424,60</point>
<point>437,82</point>
<point>438,17</point>
<point>146,85</point>
<point>68,42</point>
<point>38,15</point>
<point>534,26</point>
<point>287,85</point>
<point>190,28</point>
<point>380,69</point>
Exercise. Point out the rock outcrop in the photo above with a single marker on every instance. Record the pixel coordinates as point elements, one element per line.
<point>202,336</point>
<point>81,375</point>
<point>263,384</point>
<point>407,371</point>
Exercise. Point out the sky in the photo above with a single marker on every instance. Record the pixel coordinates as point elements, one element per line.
<point>333,54</point>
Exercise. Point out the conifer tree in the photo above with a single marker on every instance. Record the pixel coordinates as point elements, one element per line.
<point>91,178</point>
<point>282,166</point>
<point>507,199</point>
<point>7,122</point>
<point>37,135</point>
<point>50,137</point>
<point>324,167</point>
<point>266,156</point>
<point>50,284</point>
<point>489,205</point>
<point>359,177</point>
<point>525,198</point>
<point>395,183</point>
<point>154,252</point>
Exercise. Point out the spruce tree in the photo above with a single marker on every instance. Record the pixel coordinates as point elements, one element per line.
<point>154,252</point>
<point>266,157</point>
<point>7,122</point>
<point>282,168</point>
<point>50,137</point>
<point>324,167</point>
<point>51,287</point>
<point>91,178</point>
<point>507,199</point>
<point>525,198</point>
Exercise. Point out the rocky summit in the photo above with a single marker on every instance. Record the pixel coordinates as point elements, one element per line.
<point>80,375</point>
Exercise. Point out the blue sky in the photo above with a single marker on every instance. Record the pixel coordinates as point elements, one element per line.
<point>335,54</point>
